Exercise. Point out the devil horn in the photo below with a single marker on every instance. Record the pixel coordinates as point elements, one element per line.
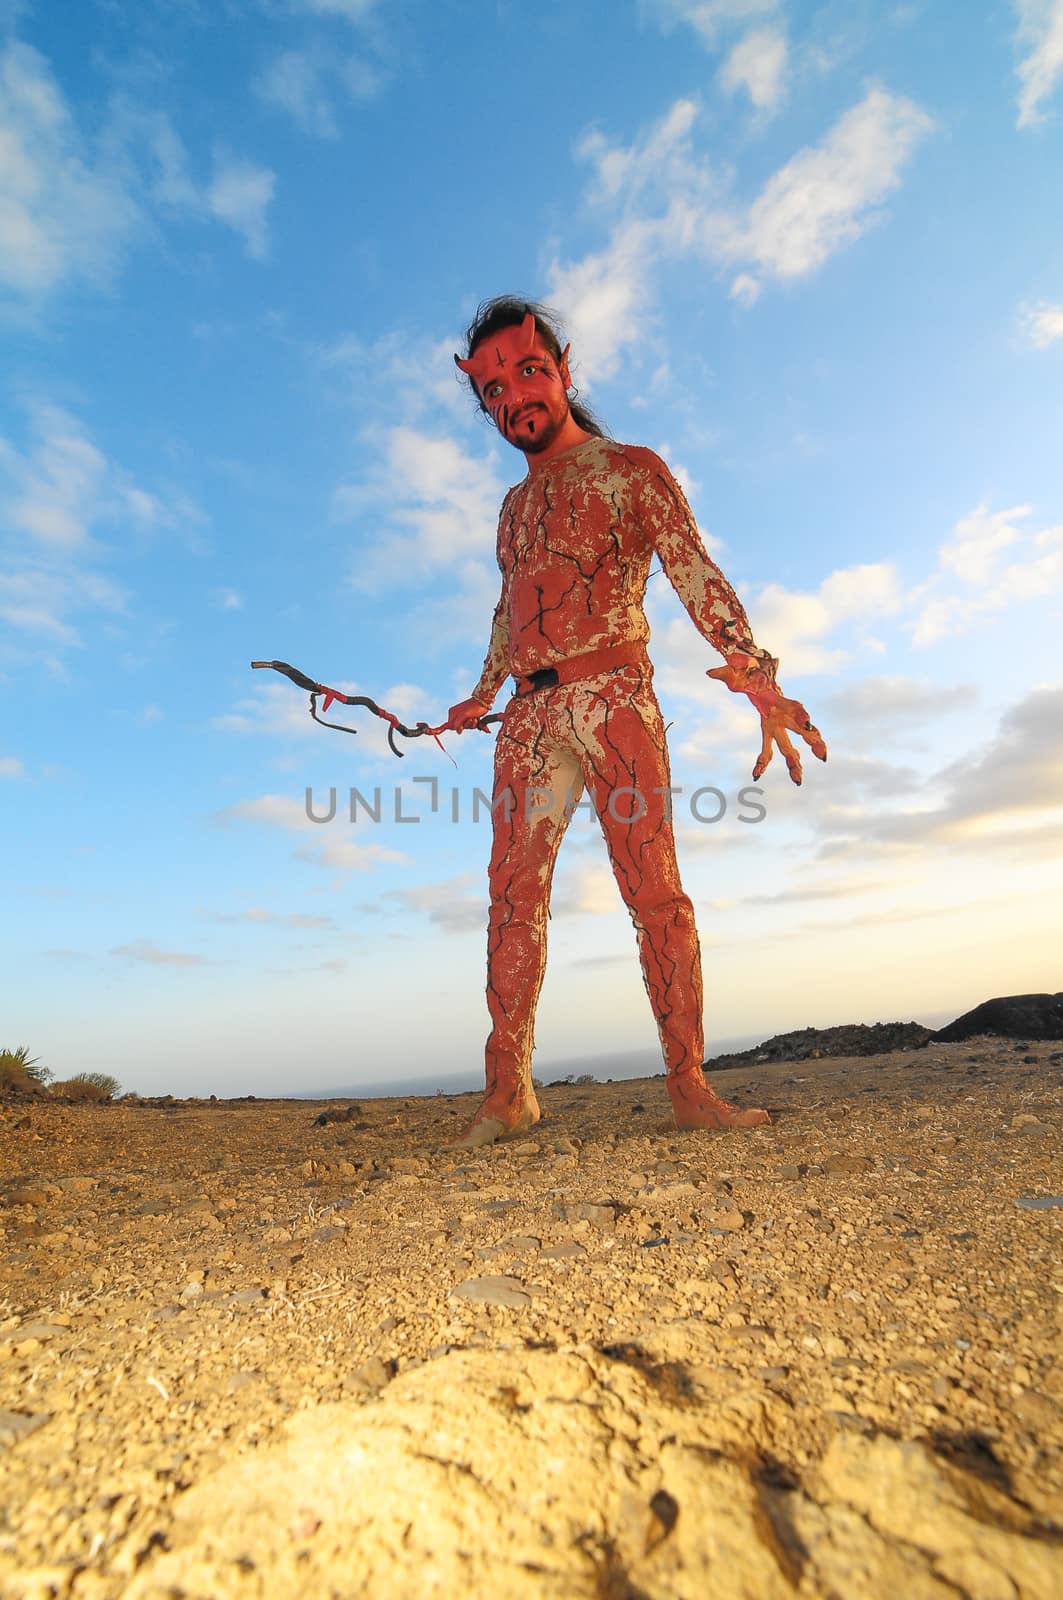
<point>527,327</point>
<point>466,366</point>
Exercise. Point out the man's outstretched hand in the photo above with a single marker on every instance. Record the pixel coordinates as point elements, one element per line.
<point>779,716</point>
<point>466,714</point>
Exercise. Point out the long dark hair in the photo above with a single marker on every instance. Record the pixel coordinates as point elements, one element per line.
<point>508,311</point>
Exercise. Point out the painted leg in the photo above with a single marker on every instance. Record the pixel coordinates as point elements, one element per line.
<point>536,785</point>
<point>626,769</point>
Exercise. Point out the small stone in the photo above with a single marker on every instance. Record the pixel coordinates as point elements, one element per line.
<point>16,1425</point>
<point>492,1291</point>
<point>565,1250</point>
<point>28,1195</point>
<point>841,1162</point>
<point>730,1221</point>
<point>526,1244</point>
<point>247,1297</point>
<point>323,1235</point>
<point>40,1331</point>
<point>373,1374</point>
<point>1038,1202</point>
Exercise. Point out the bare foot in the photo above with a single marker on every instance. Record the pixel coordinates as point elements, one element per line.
<point>499,1116</point>
<point>695,1105</point>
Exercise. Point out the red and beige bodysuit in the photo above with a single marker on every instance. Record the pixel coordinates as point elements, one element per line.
<point>575,541</point>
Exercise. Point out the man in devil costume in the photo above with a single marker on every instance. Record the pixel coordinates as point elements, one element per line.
<point>575,541</point>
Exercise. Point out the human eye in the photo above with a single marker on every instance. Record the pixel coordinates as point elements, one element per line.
<point>492,391</point>
<point>530,368</point>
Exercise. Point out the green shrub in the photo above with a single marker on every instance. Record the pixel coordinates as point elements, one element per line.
<point>17,1065</point>
<point>95,1086</point>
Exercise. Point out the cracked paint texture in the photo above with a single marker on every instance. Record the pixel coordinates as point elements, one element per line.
<point>575,542</point>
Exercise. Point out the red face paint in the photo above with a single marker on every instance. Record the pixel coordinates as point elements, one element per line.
<point>523,389</point>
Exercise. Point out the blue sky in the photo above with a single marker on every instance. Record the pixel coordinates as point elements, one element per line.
<point>811,253</point>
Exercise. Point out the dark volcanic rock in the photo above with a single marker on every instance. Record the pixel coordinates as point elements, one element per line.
<point>336,1114</point>
<point>848,1039</point>
<point>1016,1016</point>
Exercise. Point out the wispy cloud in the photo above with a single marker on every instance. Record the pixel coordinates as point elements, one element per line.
<point>258,916</point>
<point>1042,324</point>
<point>974,579</point>
<point>758,65</point>
<point>879,706</point>
<point>827,195</point>
<point>356,11</point>
<point>999,798</point>
<point>11,767</point>
<point>708,18</point>
<point>1039,35</point>
<point>146,951</point>
<point>307,83</point>
<point>61,486</point>
<point>670,204</point>
<point>453,903</point>
<point>65,212</point>
<point>437,500</point>
<point>337,855</point>
<point>239,194</point>
<point>71,206</point>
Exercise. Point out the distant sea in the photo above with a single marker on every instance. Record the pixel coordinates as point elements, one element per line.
<point>619,1065</point>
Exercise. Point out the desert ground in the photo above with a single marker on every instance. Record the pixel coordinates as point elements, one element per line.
<point>247,1354</point>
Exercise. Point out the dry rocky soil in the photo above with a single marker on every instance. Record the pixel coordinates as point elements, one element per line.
<point>247,1354</point>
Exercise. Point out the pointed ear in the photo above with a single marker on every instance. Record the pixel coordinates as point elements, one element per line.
<point>562,367</point>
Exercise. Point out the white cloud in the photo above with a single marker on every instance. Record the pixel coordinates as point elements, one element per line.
<point>303,82</point>
<point>65,215</point>
<point>758,65</point>
<point>294,82</point>
<point>458,904</point>
<point>708,18</point>
<point>61,486</point>
<point>38,601</point>
<point>973,551</point>
<point>341,856</point>
<point>973,557</point>
<point>659,159</point>
<point>1042,324</point>
<point>1004,797</point>
<point>239,195</point>
<point>826,196</point>
<point>284,811</point>
<point>69,208</point>
<point>671,205</point>
<point>606,299</point>
<point>870,707</point>
<point>11,767</point>
<point>745,289</point>
<point>588,891</point>
<point>147,951</point>
<point>1040,35</point>
<point>277,810</point>
<point>440,501</point>
<point>349,10</point>
<point>793,623</point>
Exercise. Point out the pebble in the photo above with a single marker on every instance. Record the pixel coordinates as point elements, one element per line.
<point>34,1330</point>
<point>1038,1202</point>
<point>16,1425</point>
<point>492,1291</point>
<point>27,1196</point>
<point>839,1162</point>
